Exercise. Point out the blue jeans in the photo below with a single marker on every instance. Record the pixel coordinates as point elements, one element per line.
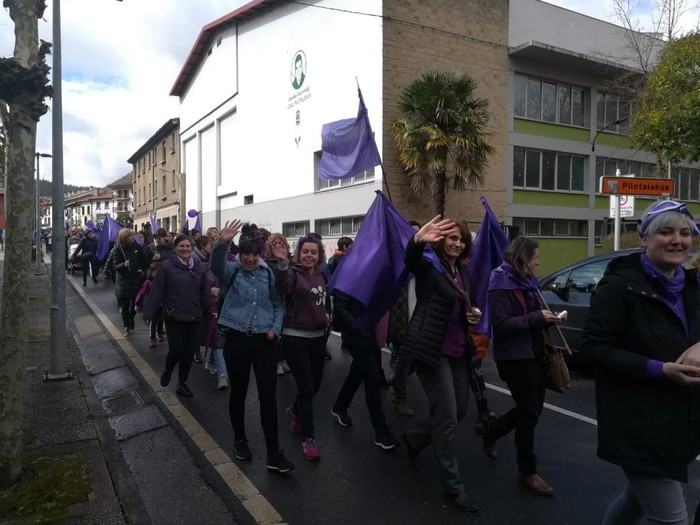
<point>217,355</point>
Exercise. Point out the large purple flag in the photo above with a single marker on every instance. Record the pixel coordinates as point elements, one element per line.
<point>487,253</point>
<point>348,146</point>
<point>154,224</point>
<point>109,232</point>
<point>373,270</point>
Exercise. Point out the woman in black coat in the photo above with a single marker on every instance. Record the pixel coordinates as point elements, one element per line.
<point>641,335</point>
<point>127,259</point>
<point>438,340</point>
<point>181,287</point>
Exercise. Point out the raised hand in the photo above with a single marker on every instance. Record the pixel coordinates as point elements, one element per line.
<point>279,250</point>
<point>230,230</point>
<point>434,230</point>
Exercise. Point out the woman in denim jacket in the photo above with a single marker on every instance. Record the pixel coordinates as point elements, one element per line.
<point>251,315</point>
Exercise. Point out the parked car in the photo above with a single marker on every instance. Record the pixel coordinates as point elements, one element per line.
<point>571,287</point>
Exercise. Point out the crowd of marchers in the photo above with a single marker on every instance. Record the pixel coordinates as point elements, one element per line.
<point>247,300</point>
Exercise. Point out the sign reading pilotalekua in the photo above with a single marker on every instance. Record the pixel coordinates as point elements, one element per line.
<point>637,186</point>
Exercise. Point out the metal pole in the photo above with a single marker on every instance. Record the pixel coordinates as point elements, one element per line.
<point>39,270</point>
<point>58,368</point>
<point>616,230</point>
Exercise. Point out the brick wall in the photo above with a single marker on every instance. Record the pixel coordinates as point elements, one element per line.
<point>469,36</point>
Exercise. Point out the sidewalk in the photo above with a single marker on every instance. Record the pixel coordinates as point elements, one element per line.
<point>99,441</point>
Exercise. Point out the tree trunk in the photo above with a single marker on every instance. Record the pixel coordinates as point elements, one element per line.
<point>439,191</point>
<point>21,135</point>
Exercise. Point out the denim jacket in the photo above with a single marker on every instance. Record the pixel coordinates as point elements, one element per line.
<point>252,303</point>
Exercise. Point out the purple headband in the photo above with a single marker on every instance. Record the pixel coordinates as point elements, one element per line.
<point>662,207</point>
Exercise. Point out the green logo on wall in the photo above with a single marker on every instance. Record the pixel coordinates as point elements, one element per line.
<point>298,71</point>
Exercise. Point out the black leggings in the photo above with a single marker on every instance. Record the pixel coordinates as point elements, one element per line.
<point>305,357</point>
<point>182,336</point>
<point>127,307</point>
<point>89,264</point>
<point>240,352</point>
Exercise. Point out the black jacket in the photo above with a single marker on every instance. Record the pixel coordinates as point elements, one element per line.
<point>129,278</point>
<point>354,321</point>
<point>183,293</point>
<point>435,298</point>
<point>650,424</point>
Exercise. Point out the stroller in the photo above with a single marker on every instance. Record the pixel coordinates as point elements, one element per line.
<point>75,264</point>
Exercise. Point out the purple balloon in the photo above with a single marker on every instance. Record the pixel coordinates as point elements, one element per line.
<point>192,213</point>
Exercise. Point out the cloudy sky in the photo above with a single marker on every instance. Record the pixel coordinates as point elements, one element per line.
<point>120,60</point>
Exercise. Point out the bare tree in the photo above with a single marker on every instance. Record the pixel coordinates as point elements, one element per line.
<point>23,90</point>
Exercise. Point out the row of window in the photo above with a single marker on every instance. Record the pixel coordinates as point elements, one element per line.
<point>571,228</point>
<point>148,160</point>
<point>561,103</point>
<point>333,227</point>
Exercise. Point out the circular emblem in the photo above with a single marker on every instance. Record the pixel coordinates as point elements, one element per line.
<point>297,73</point>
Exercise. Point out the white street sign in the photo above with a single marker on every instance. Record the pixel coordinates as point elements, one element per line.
<point>626,206</point>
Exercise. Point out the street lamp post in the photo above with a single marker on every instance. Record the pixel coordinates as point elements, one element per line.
<point>39,259</point>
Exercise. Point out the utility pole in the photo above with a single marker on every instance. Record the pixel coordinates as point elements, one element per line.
<point>39,259</point>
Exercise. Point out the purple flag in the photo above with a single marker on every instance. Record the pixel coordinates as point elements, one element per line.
<point>154,224</point>
<point>373,270</point>
<point>348,146</point>
<point>197,226</point>
<point>109,232</point>
<point>487,253</point>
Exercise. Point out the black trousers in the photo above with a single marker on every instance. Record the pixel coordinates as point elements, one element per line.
<point>90,267</point>
<point>525,380</point>
<point>127,307</point>
<point>182,336</point>
<point>157,323</point>
<point>306,358</point>
<point>242,351</point>
<point>365,367</point>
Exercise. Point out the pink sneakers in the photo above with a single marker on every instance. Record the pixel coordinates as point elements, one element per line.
<point>293,421</point>
<point>309,448</point>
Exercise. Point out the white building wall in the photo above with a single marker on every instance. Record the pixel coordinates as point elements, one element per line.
<point>260,149</point>
<point>534,20</point>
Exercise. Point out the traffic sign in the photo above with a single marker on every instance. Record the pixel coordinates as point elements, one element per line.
<point>637,186</point>
<point>626,206</point>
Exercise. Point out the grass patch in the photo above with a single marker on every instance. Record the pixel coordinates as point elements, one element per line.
<point>52,482</point>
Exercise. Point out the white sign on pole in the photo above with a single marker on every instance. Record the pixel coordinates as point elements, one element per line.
<point>626,206</point>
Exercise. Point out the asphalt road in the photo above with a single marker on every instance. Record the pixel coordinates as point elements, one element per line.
<point>355,482</point>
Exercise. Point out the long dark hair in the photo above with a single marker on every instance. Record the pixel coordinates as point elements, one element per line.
<point>439,246</point>
<point>519,252</point>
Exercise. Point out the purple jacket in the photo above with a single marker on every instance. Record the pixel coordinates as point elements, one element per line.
<point>183,292</point>
<point>516,317</point>
<point>305,296</point>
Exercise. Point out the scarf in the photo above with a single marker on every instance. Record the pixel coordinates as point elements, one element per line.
<point>669,288</point>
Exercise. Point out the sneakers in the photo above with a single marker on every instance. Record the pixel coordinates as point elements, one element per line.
<point>309,449</point>
<point>153,343</point>
<point>293,421</point>
<point>222,383</point>
<point>126,332</point>
<point>241,450</point>
<point>342,416</point>
<point>386,441</point>
<point>165,377</point>
<point>211,367</point>
<point>278,463</point>
<point>285,366</point>
<point>280,370</point>
<point>183,390</point>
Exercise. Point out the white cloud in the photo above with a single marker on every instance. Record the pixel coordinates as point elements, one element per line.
<point>120,60</point>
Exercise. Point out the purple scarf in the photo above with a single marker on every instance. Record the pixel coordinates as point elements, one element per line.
<point>189,263</point>
<point>670,288</point>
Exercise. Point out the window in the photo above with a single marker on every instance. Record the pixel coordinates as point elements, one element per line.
<point>163,153</point>
<point>547,170</point>
<point>339,226</point>
<point>687,183</point>
<point>296,229</point>
<point>248,199</point>
<point>97,205</point>
<point>551,227</point>
<point>155,188</point>
<point>584,279</point>
<point>549,101</point>
<point>165,184</point>
<point>612,109</point>
<point>150,192</point>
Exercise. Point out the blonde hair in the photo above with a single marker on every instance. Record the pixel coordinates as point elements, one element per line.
<point>123,235</point>
<point>273,238</point>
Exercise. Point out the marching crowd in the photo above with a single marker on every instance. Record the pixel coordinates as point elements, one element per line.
<point>253,304</point>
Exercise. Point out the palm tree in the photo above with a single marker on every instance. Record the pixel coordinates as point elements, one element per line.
<point>441,134</point>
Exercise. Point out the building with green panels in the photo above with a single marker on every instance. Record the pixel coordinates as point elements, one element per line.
<point>562,65</point>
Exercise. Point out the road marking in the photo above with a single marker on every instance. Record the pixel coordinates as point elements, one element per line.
<point>250,497</point>
<point>563,411</point>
